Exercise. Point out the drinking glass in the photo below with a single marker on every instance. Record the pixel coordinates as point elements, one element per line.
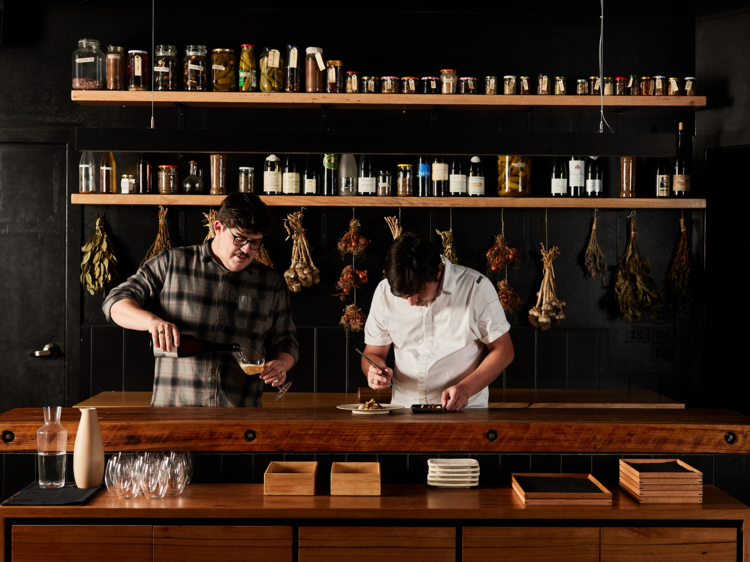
<point>125,479</point>
<point>253,363</point>
<point>154,476</point>
<point>185,456</point>
<point>52,440</point>
<point>109,475</point>
<point>176,475</point>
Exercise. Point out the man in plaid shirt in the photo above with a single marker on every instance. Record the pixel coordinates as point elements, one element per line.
<point>218,293</point>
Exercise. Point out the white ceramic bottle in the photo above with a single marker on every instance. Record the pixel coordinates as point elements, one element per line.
<point>88,453</point>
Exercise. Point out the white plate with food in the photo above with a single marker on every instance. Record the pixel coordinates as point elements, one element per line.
<point>370,408</point>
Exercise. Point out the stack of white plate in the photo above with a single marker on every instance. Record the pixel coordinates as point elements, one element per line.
<point>453,473</point>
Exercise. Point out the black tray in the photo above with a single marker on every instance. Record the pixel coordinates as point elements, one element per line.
<point>423,409</point>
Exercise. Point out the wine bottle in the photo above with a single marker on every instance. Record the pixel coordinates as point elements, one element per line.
<point>331,176</point>
<point>594,177</point>
<point>347,175</point>
<point>681,172</point>
<point>367,182</point>
<point>576,175</point>
<point>311,176</point>
<point>108,174</point>
<point>457,181</point>
<point>191,346</point>
<point>663,178</point>
<point>476,177</point>
<point>272,175</point>
<point>424,177</point>
<point>559,178</point>
<point>290,178</point>
<point>439,177</point>
<point>145,174</point>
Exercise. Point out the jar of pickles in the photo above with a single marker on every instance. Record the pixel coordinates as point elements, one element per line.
<point>689,86</point>
<point>352,82</point>
<point>168,179</point>
<point>543,85</point>
<point>88,66</point>
<point>271,65</point>
<point>195,69</point>
<point>369,85</point>
<point>509,85</point>
<point>315,70</point>
<point>594,85</point>
<point>166,71</point>
<point>291,70</point>
<point>448,81</point>
<point>582,86</point>
<point>223,70</point>
<point>646,86</point>
<point>404,180</point>
<point>384,183</point>
<point>561,86</point>
<point>609,86</point>
<point>675,87</point>
<point>389,85</point>
<point>335,77</point>
<point>634,85</point>
<point>138,71</point>
<point>430,84</point>
<point>621,85</point>
<point>409,84</point>
<point>467,85</point>
<point>490,85</point>
<point>660,85</point>
<point>525,85</point>
<point>248,69</point>
<point>514,176</point>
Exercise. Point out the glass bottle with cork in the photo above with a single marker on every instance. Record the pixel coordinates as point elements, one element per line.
<point>440,177</point>
<point>681,170</point>
<point>108,174</point>
<point>272,176</point>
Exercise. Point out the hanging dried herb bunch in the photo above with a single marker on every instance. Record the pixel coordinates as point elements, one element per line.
<point>209,221</point>
<point>302,272</point>
<point>263,257</point>
<point>594,259</point>
<point>350,279</point>
<point>162,241</point>
<point>635,289</point>
<point>353,319</point>
<point>448,250</point>
<point>353,242</point>
<point>394,226</point>
<point>98,262</point>
<point>501,256</point>
<point>548,306</point>
<point>679,277</point>
<point>508,296</point>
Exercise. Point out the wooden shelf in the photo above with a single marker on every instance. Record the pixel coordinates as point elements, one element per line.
<point>454,202</point>
<point>386,101</point>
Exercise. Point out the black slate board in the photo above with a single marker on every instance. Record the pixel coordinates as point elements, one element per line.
<point>69,495</point>
<point>557,484</point>
<point>668,466</point>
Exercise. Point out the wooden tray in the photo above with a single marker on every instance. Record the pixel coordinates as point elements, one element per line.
<point>290,479</point>
<point>690,474</point>
<point>604,497</point>
<point>685,486</point>
<point>355,479</point>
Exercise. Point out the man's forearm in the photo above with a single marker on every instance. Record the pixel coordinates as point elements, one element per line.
<point>128,314</point>
<point>489,369</point>
<point>286,360</point>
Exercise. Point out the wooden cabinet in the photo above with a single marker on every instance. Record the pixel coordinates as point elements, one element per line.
<point>668,544</point>
<point>531,544</point>
<point>82,543</point>
<point>222,544</point>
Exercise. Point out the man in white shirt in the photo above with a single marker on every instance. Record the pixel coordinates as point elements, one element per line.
<point>440,318</point>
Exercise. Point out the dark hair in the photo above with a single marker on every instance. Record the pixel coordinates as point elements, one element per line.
<point>245,211</point>
<point>411,262</point>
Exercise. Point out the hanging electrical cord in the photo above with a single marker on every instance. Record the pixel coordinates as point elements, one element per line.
<point>602,120</point>
<point>153,52</point>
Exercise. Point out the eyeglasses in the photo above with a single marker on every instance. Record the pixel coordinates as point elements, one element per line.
<point>240,241</point>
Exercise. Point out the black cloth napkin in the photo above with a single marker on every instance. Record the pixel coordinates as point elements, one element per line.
<point>69,495</point>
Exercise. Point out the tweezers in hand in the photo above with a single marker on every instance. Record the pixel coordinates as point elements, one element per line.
<point>371,362</point>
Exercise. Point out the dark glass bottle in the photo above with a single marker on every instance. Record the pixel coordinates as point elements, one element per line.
<point>367,182</point>
<point>476,177</point>
<point>457,180</point>
<point>191,346</point>
<point>331,174</point>
<point>559,177</point>
<point>424,177</point>
<point>681,170</point>
<point>594,177</point>
<point>311,176</point>
<point>576,175</point>
<point>663,178</point>
<point>145,173</point>
<point>290,178</point>
<point>440,177</point>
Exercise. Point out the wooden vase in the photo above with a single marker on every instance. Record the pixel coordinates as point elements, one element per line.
<point>88,454</point>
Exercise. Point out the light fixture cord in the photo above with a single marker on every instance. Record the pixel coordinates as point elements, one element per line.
<point>602,120</point>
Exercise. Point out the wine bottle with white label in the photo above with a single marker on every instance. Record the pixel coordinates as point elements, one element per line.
<point>476,177</point>
<point>290,178</point>
<point>367,182</point>
<point>594,177</point>
<point>577,173</point>
<point>272,175</point>
<point>559,177</point>
<point>331,174</point>
<point>311,175</point>
<point>681,171</point>
<point>439,177</point>
<point>457,182</point>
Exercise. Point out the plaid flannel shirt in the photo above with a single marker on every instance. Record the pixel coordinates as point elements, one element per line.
<point>251,307</point>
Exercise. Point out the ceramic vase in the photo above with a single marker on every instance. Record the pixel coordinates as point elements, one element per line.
<point>88,453</point>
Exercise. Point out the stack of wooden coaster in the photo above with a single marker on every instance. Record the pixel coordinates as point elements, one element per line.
<point>661,481</point>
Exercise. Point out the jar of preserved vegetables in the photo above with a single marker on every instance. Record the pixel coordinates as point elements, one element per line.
<point>291,70</point>
<point>467,85</point>
<point>389,85</point>
<point>660,85</point>
<point>271,70</point>
<point>429,84</point>
<point>609,86</point>
<point>138,71</point>
<point>352,82</point>
<point>647,86</point>
<point>88,66</point>
<point>514,176</point>
<point>621,85</point>
<point>524,85</point>
<point>409,84</point>
<point>490,85</point>
<point>335,77</point>
<point>404,180</point>
<point>509,85</point>
<point>675,87</point>
<point>195,68</point>
<point>315,70</point>
<point>248,69</point>
<point>127,183</point>
<point>384,183</point>
<point>543,85</point>
<point>369,85</point>
<point>448,81</point>
<point>634,85</point>
<point>561,86</point>
<point>168,179</point>
<point>582,86</point>
<point>594,85</point>
<point>689,86</point>
<point>247,180</point>
<point>224,70</point>
<point>166,71</point>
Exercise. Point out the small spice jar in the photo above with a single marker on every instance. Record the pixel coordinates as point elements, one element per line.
<point>315,70</point>
<point>561,86</point>
<point>335,77</point>
<point>543,84</point>
<point>675,86</point>
<point>609,86</point>
<point>384,183</point>
<point>166,69</point>
<point>646,86</point>
<point>127,184</point>
<point>88,66</point>
<point>621,85</point>
<point>634,85</point>
<point>404,180</point>
<point>689,86</point>
<point>195,69</point>
<point>660,85</point>
<point>116,68</point>
<point>271,65</point>
<point>448,81</point>
<point>582,87</point>
<point>525,85</point>
<point>291,70</point>
<point>467,85</point>
<point>223,70</point>
<point>594,85</point>
<point>627,176</point>
<point>369,85</point>
<point>490,85</point>
<point>509,85</point>
<point>352,82</point>
<point>389,85</point>
<point>247,180</point>
<point>168,179</point>
<point>430,84</point>
<point>137,71</point>
<point>248,81</point>
<point>218,174</point>
<point>409,84</point>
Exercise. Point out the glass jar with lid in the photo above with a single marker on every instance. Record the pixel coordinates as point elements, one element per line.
<point>647,86</point>
<point>490,85</point>
<point>389,85</point>
<point>271,65</point>
<point>315,70</point>
<point>513,176</point>
<point>430,84</point>
<point>467,85</point>
<point>634,85</point>
<point>609,86</point>
<point>449,81</point>
<point>621,85</point>
<point>561,86</point>
<point>248,81</point>
<point>195,69</point>
<point>509,85</point>
<point>369,85</point>
<point>116,63</point>
<point>543,84</point>
<point>88,66</point>
<point>168,179</point>
<point>660,85</point>
<point>127,183</point>
<point>291,70</point>
<point>384,183</point>
<point>335,77</point>
<point>223,70</point>
<point>594,85</point>
<point>138,71</point>
<point>409,84</point>
<point>247,180</point>
<point>166,71</point>
<point>689,86</point>
<point>404,181</point>
<point>675,86</point>
<point>524,83</point>
<point>582,87</point>
<point>352,82</point>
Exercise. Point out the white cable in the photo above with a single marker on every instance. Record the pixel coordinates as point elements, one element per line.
<point>602,120</point>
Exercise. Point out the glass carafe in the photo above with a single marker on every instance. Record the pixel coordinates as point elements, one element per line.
<point>52,444</point>
<point>86,178</point>
<point>194,182</point>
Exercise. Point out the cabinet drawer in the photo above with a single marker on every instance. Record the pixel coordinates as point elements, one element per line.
<point>531,544</point>
<point>667,544</point>
<point>225,544</point>
<point>82,543</point>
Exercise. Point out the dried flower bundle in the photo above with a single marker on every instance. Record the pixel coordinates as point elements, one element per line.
<point>501,256</point>
<point>508,296</point>
<point>394,226</point>
<point>350,279</point>
<point>302,272</point>
<point>448,250</point>
<point>635,289</point>
<point>263,257</point>
<point>680,275</point>
<point>162,241</point>
<point>98,262</point>
<point>548,306</point>
<point>594,259</point>
<point>353,242</point>
<point>209,221</point>
<point>353,319</point>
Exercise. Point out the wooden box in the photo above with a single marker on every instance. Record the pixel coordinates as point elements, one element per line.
<point>290,479</point>
<point>583,492</point>
<point>639,478</point>
<point>355,479</point>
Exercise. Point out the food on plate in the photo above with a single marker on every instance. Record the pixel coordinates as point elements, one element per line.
<point>370,405</point>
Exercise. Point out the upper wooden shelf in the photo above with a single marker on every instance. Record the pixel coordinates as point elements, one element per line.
<point>455,202</point>
<point>385,101</point>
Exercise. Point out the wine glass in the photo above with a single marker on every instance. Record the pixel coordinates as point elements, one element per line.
<point>253,363</point>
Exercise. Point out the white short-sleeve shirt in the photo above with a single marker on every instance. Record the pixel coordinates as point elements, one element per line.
<point>439,345</point>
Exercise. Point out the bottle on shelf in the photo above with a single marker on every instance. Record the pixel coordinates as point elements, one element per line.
<point>559,177</point>
<point>663,178</point>
<point>681,170</point>
<point>194,182</point>
<point>594,177</point>
<point>476,177</point>
<point>272,176</point>
<point>108,174</point>
<point>144,170</point>
<point>190,346</point>
<point>367,182</point>
<point>424,179</point>
<point>576,175</point>
<point>331,177</point>
<point>457,178</point>
<point>311,176</point>
<point>347,175</point>
<point>440,177</point>
<point>290,177</point>
<point>86,181</point>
